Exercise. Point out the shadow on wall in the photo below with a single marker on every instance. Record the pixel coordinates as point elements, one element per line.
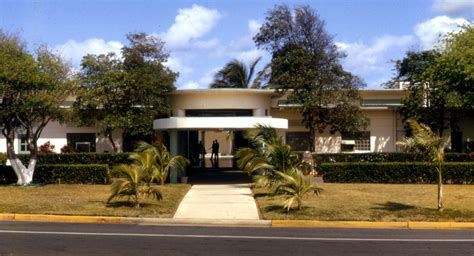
<point>103,144</point>
<point>328,144</point>
<point>382,145</point>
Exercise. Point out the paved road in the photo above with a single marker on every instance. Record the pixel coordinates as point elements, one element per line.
<point>27,238</point>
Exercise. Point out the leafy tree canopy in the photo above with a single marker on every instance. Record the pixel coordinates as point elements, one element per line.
<point>440,81</point>
<point>306,64</point>
<point>33,87</point>
<point>126,92</point>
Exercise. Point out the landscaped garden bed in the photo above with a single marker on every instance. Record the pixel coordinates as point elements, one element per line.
<point>90,200</point>
<point>374,202</point>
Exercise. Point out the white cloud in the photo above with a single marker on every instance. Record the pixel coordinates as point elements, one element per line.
<point>364,59</point>
<point>250,55</point>
<point>74,51</point>
<point>207,44</point>
<point>429,32</point>
<point>207,79</point>
<point>254,26</point>
<point>190,85</point>
<point>454,7</point>
<point>202,82</point>
<point>372,60</point>
<point>190,24</point>
<point>176,64</point>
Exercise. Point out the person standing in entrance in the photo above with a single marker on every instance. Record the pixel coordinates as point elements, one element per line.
<point>216,156</point>
<point>214,153</point>
<point>202,154</point>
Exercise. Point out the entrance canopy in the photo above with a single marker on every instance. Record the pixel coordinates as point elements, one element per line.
<point>224,123</point>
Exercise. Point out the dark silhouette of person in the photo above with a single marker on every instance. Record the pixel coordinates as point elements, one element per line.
<point>215,153</point>
<point>202,153</point>
<point>216,156</point>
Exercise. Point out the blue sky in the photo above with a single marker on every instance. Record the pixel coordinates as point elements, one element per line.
<point>202,36</point>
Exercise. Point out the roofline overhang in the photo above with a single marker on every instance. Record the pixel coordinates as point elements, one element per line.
<point>218,123</point>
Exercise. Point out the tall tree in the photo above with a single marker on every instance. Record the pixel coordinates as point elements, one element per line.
<point>32,88</point>
<point>126,92</point>
<point>455,66</point>
<point>306,65</point>
<point>439,81</point>
<point>236,74</point>
<point>427,98</point>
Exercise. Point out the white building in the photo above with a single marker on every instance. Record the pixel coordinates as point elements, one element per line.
<point>223,114</point>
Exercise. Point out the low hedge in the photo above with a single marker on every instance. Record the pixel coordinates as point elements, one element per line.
<point>396,172</point>
<point>7,175</point>
<point>385,157</point>
<point>62,173</point>
<point>80,158</point>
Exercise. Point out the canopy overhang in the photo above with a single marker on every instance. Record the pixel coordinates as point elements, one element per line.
<point>219,123</point>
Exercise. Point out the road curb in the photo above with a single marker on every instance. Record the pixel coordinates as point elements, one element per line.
<point>237,222</point>
<point>133,220</point>
<point>374,225</point>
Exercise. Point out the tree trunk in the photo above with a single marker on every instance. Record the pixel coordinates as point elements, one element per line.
<point>111,139</point>
<point>440,188</point>
<point>312,140</point>
<point>24,174</point>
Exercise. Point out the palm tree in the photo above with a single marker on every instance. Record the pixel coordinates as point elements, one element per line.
<point>432,146</point>
<point>163,160</point>
<point>269,154</point>
<point>146,161</point>
<point>132,183</point>
<point>293,186</point>
<point>277,166</point>
<point>236,74</point>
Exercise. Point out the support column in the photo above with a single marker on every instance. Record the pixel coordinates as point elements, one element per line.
<point>203,139</point>
<point>174,151</point>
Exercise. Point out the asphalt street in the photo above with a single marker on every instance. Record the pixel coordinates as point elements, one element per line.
<point>33,238</point>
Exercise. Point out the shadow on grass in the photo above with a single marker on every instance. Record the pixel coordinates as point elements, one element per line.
<point>261,194</point>
<point>393,206</point>
<point>127,204</point>
<point>281,210</point>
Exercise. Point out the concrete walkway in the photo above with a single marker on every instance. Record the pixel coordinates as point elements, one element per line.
<point>218,202</point>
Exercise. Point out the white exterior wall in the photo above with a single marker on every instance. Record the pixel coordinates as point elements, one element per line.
<point>383,130</point>
<point>55,133</point>
<point>257,100</point>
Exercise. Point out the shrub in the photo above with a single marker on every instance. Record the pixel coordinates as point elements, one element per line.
<point>384,157</point>
<point>68,149</point>
<point>396,172</point>
<point>46,148</point>
<point>81,158</point>
<point>7,175</point>
<point>61,173</point>
<point>3,158</point>
<point>72,174</point>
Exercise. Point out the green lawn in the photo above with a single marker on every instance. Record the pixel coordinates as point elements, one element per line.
<point>376,202</point>
<point>85,200</point>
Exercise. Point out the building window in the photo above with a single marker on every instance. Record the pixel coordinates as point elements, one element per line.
<point>23,144</point>
<point>359,141</point>
<point>82,142</point>
<point>299,141</point>
<point>218,112</point>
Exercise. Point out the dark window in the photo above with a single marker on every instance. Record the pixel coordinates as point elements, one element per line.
<point>23,144</point>
<point>456,141</point>
<point>361,141</point>
<point>83,142</point>
<point>299,141</point>
<point>218,112</point>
